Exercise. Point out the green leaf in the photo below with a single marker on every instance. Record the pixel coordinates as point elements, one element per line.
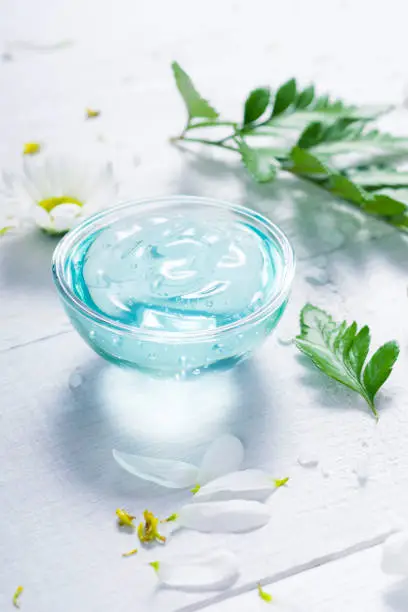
<point>304,162</point>
<point>362,149</point>
<point>322,102</point>
<point>374,178</point>
<point>379,368</point>
<point>311,135</point>
<point>259,162</point>
<point>342,187</point>
<point>340,352</point>
<point>256,104</point>
<point>196,105</point>
<point>299,119</point>
<point>359,350</point>
<point>305,97</point>
<point>285,95</point>
<point>384,205</point>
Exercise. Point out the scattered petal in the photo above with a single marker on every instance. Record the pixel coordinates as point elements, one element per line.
<point>17,595</point>
<point>124,518</point>
<point>130,553</point>
<point>245,484</point>
<point>223,456</point>
<point>31,148</point>
<point>234,516</point>
<point>165,472</point>
<point>280,482</point>
<point>395,555</point>
<point>263,594</point>
<point>218,570</point>
<point>91,114</point>
<point>308,461</point>
<point>148,530</point>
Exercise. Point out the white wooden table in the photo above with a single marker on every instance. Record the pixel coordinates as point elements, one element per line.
<point>59,486</point>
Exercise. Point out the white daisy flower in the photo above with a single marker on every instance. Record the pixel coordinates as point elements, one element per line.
<point>56,193</point>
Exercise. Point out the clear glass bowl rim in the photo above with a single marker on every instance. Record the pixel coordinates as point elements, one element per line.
<point>113,213</point>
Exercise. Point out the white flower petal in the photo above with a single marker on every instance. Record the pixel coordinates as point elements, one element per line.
<point>233,516</point>
<point>104,193</point>
<point>217,571</point>
<point>224,455</point>
<point>246,484</point>
<point>42,218</point>
<point>65,217</point>
<point>395,555</point>
<point>165,472</point>
<point>37,174</point>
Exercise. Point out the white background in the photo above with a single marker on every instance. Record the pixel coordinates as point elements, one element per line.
<point>59,486</point>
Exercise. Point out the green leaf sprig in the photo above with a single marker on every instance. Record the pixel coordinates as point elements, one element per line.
<point>312,137</point>
<point>340,351</point>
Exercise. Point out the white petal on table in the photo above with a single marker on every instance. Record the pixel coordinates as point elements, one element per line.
<point>165,472</point>
<point>245,484</point>
<point>224,455</point>
<point>233,516</point>
<point>217,571</point>
<point>395,555</point>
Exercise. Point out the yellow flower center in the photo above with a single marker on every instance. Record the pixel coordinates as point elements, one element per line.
<point>49,203</point>
<point>31,148</point>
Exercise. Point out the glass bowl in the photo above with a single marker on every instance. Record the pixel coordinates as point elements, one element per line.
<point>193,344</point>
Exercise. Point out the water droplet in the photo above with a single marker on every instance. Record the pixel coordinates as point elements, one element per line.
<point>285,341</point>
<point>240,336</point>
<point>362,469</point>
<point>117,340</point>
<point>309,460</point>
<point>152,356</point>
<point>209,303</point>
<point>196,371</point>
<point>75,380</point>
<point>182,360</point>
<point>92,334</point>
<point>218,348</point>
